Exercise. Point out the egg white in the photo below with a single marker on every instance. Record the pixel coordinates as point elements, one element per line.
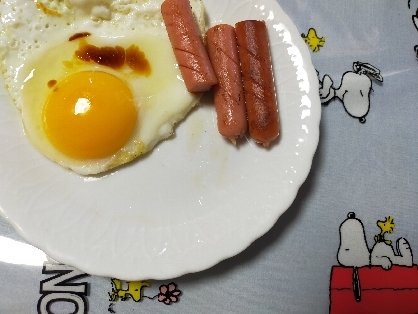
<point>161,98</point>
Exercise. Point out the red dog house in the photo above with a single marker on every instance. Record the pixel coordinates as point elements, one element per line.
<point>374,290</point>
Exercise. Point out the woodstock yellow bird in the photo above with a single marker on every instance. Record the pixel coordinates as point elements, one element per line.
<point>314,42</point>
<point>386,226</point>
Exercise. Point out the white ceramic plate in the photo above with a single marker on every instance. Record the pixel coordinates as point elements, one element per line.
<point>194,201</point>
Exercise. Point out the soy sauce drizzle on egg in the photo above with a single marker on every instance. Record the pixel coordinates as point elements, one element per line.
<point>52,83</point>
<point>79,35</point>
<point>114,57</point>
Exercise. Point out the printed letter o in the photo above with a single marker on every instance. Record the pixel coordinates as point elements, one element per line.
<point>47,300</point>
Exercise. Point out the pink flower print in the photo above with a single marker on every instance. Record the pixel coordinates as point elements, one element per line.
<point>169,293</point>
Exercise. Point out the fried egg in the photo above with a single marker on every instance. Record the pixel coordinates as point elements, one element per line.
<point>96,82</point>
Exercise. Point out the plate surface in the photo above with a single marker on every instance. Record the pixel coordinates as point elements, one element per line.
<point>192,202</point>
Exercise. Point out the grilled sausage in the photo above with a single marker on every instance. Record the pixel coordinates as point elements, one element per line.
<point>228,93</point>
<point>188,47</point>
<point>258,81</point>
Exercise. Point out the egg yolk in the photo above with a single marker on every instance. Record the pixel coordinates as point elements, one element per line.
<point>89,115</point>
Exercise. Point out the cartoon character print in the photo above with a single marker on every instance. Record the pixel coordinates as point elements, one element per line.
<point>314,42</point>
<point>415,22</point>
<point>354,251</point>
<point>133,290</point>
<point>366,278</point>
<point>386,226</point>
<point>354,90</point>
<point>355,87</point>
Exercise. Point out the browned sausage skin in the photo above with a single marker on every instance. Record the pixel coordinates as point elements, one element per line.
<point>258,81</point>
<point>188,47</point>
<point>228,93</point>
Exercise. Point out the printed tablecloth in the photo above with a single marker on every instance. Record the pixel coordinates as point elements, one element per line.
<point>358,206</point>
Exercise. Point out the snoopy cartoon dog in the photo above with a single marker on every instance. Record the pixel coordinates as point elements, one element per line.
<point>354,252</point>
<point>354,90</point>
